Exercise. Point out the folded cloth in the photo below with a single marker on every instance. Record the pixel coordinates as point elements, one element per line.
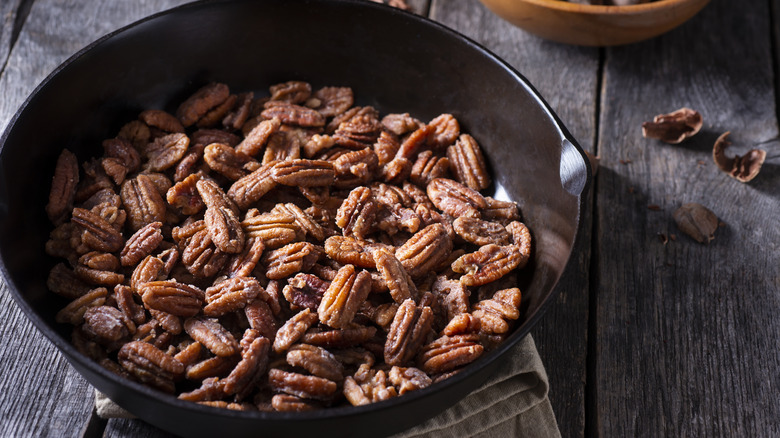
<point>512,403</point>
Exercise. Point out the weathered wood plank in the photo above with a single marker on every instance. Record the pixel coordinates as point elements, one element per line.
<point>40,394</point>
<point>687,333</point>
<point>567,78</point>
<point>9,10</point>
<point>120,428</point>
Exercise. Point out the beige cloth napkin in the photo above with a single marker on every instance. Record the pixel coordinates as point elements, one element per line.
<point>512,403</point>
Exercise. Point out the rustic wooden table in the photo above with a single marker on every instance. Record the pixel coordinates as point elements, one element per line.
<point>646,338</point>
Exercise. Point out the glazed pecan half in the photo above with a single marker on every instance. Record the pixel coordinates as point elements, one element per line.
<point>344,296</point>
<point>408,332</point>
<point>454,198</point>
<point>172,297</point>
<point>425,251</point>
<point>487,264</point>
<point>212,335</point>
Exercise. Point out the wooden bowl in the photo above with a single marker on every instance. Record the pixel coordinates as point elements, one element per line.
<point>595,25</point>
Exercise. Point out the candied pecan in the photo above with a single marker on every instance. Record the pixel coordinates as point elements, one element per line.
<point>354,393</point>
<point>331,127</point>
<point>334,100</point>
<point>256,139</point>
<point>305,290</point>
<point>230,295</point>
<point>215,115</point>
<point>343,338</point>
<point>674,127</point>
<point>98,233</point>
<point>63,187</point>
<point>150,365</point>
<point>211,367</point>
<point>415,142</point>
<point>172,297</point>
<point>98,276</point>
<point>445,130</point>
<point>184,195</point>
<point>161,120</point>
<point>317,144</point>
<point>407,333</point>
<point>200,103</point>
<point>63,281</point>
<point>425,250</point>
<point>521,236</point>
<point>125,302</point>
<point>169,323</point>
<point>213,196</point>
<point>453,296</point>
<point>408,379</point>
<point>291,91</point>
<point>254,360</point>
<point>142,201</point>
<point>454,198</point>
<point>59,243</point>
<point>397,170</point>
<point>468,163</point>
<point>242,265</point>
<point>141,244</point>
<point>211,389</point>
<point>400,124</point>
<point>373,383</point>
<point>236,118</point>
<point>450,352</point>
<point>495,313</point>
<point>204,137</point>
<point>348,250</point>
<point>291,403</point>
<point>488,264</point>
<point>293,114</point>
<point>190,163</point>
<point>123,151</point>
<point>398,280</point>
<point>358,132</point>
<point>201,257</point>
<point>500,211</point>
<point>261,318</point>
<point>189,352</point>
<point>102,261</point>
<point>282,147</point>
<point>249,189</point>
<point>224,160</point>
<point>225,229</point>
<point>303,219</point>
<point>289,259</point>
<point>355,168</point>
<point>461,324</point>
<point>385,148</point>
<point>480,232</point>
<point>94,181</point>
<point>344,296</point>
<point>293,329</point>
<point>316,360</point>
<point>357,213</point>
<point>136,132</point>
<point>107,324</point>
<point>212,335</point>
<point>304,173</point>
<point>164,152</point>
<point>427,167</point>
<point>300,385</point>
<point>115,169</point>
<point>275,229</point>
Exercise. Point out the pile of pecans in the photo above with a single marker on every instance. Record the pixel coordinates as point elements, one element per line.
<point>288,253</point>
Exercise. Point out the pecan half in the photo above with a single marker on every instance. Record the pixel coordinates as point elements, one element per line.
<point>172,297</point>
<point>141,244</point>
<point>310,387</point>
<point>201,257</point>
<point>450,352</point>
<point>303,173</point>
<point>293,329</point>
<point>425,250</point>
<point>347,250</point>
<point>107,324</point>
<point>356,214</point>
<point>254,360</point>
<point>289,259</point>
<point>305,290</point>
<point>164,152</point>
<point>398,280</point>
<point>400,124</point>
<point>199,104</point>
<point>224,160</point>
<point>445,130</point>
<point>455,199</point>
<point>275,229</point>
<point>487,264</point>
<point>184,195</point>
<point>481,232</point>
<point>98,233</point>
<point>73,313</point>
<point>408,332</point>
<point>249,189</point>
<point>344,297</point>
<point>496,313</point>
<point>150,365</point>
<point>63,187</point>
<point>343,338</point>
<point>212,335</point>
<point>255,140</point>
<point>294,114</point>
<point>408,379</point>
<point>333,100</point>
<point>142,201</point>
<point>468,163</point>
<point>231,295</point>
<point>282,147</point>
<point>316,360</point>
<point>427,167</point>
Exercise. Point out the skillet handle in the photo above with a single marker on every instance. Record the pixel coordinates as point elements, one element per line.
<point>574,168</point>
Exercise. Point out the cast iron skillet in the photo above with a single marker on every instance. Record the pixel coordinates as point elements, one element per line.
<point>394,61</point>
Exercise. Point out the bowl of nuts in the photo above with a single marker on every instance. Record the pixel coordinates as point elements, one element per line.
<point>596,22</point>
<point>339,231</point>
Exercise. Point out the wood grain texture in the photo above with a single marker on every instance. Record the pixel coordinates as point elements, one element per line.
<point>40,393</point>
<point>566,77</point>
<point>687,334</point>
<point>8,15</point>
